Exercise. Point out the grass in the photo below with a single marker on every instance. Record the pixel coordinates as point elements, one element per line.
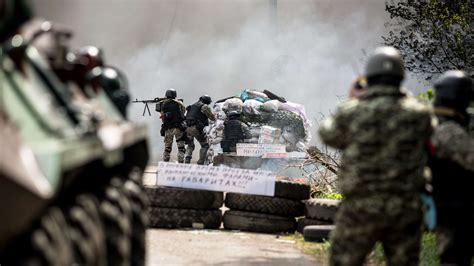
<point>320,251</point>
<point>327,195</point>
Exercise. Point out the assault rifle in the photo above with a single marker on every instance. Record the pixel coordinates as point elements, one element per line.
<point>146,102</point>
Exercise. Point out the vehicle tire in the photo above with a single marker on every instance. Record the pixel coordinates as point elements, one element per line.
<point>303,222</point>
<point>182,198</point>
<point>185,218</point>
<point>321,209</point>
<point>317,233</point>
<point>140,221</point>
<point>292,190</point>
<point>264,204</point>
<point>258,222</point>
<point>50,242</point>
<point>115,212</point>
<point>86,231</point>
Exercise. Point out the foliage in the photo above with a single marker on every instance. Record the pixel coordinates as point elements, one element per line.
<point>427,96</point>
<point>327,195</point>
<point>428,253</point>
<point>433,35</point>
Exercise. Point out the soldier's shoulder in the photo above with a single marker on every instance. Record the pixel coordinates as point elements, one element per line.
<point>447,131</point>
<point>348,106</point>
<point>413,104</point>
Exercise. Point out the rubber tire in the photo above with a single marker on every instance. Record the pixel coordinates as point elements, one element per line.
<point>86,231</point>
<point>264,204</point>
<point>116,217</point>
<point>184,218</point>
<point>258,222</point>
<point>50,242</point>
<point>140,220</point>
<point>292,190</point>
<point>321,209</point>
<point>317,233</point>
<point>303,222</point>
<point>182,198</point>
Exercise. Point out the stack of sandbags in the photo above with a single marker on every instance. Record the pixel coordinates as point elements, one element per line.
<point>184,208</point>
<point>319,213</point>
<point>267,214</point>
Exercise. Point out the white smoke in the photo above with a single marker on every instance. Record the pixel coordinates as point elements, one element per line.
<point>308,54</point>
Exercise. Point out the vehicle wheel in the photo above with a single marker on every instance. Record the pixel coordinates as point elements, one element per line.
<point>51,243</point>
<point>317,233</point>
<point>321,209</point>
<point>264,204</point>
<point>140,221</point>
<point>182,198</point>
<point>292,190</point>
<point>115,212</point>
<point>185,218</point>
<point>87,233</point>
<point>303,222</point>
<point>258,222</point>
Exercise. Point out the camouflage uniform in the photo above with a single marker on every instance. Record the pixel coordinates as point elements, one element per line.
<point>453,179</point>
<point>382,137</point>
<point>174,130</point>
<point>235,131</point>
<point>196,132</point>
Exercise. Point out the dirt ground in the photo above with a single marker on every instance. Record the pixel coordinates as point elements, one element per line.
<point>220,247</point>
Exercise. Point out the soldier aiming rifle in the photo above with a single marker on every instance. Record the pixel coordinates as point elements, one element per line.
<point>146,102</point>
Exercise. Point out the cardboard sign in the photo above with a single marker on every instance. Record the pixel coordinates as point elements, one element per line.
<point>256,150</point>
<point>272,155</point>
<point>214,178</point>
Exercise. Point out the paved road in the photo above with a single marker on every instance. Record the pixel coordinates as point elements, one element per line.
<point>220,247</point>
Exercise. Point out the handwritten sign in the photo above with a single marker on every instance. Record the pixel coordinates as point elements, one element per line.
<point>216,178</point>
<point>256,150</point>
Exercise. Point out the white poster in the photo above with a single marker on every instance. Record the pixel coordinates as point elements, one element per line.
<point>215,178</point>
<point>256,150</point>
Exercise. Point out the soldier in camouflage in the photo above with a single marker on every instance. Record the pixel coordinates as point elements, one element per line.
<point>452,166</point>
<point>197,116</point>
<point>235,131</point>
<point>381,135</point>
<point>172,114</point>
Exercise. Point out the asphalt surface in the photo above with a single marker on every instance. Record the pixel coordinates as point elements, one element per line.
<point>221,247</point>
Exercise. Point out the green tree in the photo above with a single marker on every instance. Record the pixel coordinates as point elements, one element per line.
<point>432,35</point>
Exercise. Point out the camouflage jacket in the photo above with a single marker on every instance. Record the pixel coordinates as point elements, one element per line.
<point>454,143</point>
<point>382,137</point>
<point>205,109</point>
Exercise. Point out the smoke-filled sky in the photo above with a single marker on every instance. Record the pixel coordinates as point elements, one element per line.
<point>307,51</point>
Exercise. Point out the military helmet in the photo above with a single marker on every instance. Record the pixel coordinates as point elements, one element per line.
<point>170,94</point>
<point>13,13</point>
<point>386,61</point>
<point>109,78</point>
<point>454,89</point>
<point>206,99</point>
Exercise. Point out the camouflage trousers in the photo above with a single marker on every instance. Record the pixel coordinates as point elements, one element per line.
<point>170,134</point>
<point>360,223</point>
<point>194,133</point>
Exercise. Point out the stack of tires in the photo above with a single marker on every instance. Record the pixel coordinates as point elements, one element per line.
<point>319,219</point>
<point>184,208</point>
<point>267,214</point>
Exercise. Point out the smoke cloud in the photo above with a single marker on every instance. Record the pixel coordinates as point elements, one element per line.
<point>306,51</point>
